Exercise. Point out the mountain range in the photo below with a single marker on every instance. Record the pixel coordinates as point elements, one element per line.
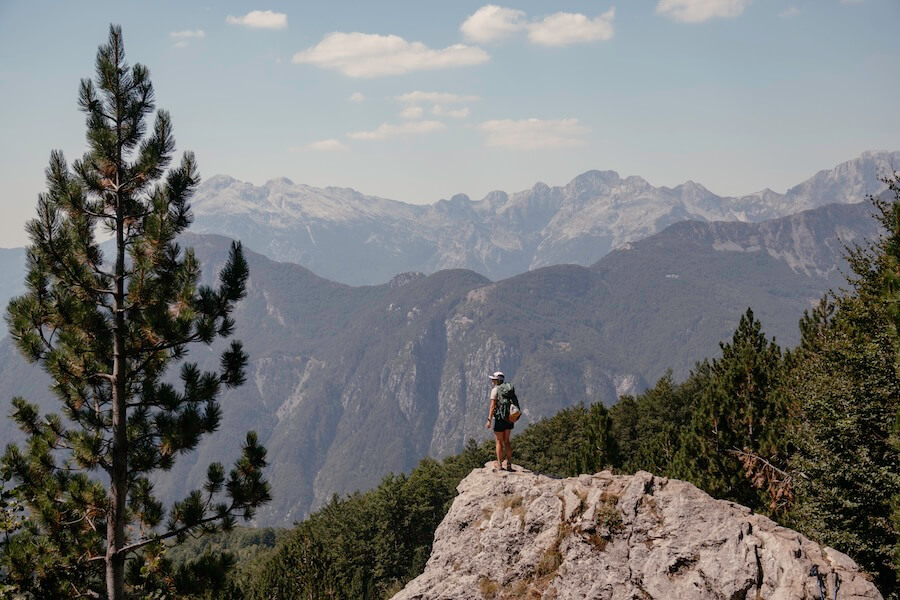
<point>348,383</point>
<point>345,236</point>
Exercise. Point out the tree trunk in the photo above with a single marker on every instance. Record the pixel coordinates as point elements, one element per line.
<point>118,473</point>
<point>118,488</point>
<point>118,480</point>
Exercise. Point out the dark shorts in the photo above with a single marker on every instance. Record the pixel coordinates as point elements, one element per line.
<point>501,425</point>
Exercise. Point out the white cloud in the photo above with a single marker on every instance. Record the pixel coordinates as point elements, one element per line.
<point>188,33</point>
<point>434,97</point>
<point>490,23</point>
<point>412,112</point>
<point>791,11</point>
<point>533,134</point>
<point>372,55</point>
<point>438,100</point>
<point>260,19</point>
<point>459,113</point>
<point>330,145</point>
<point>183,38</point>
<point>697,11</point>
<point>386,130</point>
<point>357,97</point>
<point>570,28</point>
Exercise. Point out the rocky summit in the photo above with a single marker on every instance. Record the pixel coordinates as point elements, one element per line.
<point>523,535</point>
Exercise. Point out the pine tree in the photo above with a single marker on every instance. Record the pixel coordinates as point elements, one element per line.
<point>595,447</point>
<point>107,332</point>
<point>889,274</point>
<point>576,440</point>
<point>648,428</point>
<point>736,412</point>
<point>844,390</point>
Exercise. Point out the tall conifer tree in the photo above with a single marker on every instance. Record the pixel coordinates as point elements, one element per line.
<point>845,392</point>
<point>107,329</point>
<point>596,447</point>
<point>648,428</point>
<point>736,411</point>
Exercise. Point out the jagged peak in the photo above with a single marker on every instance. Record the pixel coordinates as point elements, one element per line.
<point>279,182</point>
<point>595,176</point>
<point>496,197</point>
<point>458,204</point>
<point>219,181</point>
<point>877,154</point>
<point>636,180</point>
<point>692,186</point>
<point>853,172</point>
<point>762,194</point>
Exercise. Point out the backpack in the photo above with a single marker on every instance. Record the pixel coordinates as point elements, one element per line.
<point>506,397</point>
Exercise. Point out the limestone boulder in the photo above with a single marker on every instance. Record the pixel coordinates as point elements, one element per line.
<point>638,537</point>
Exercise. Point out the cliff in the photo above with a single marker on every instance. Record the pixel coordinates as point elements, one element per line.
<point>605,536</point>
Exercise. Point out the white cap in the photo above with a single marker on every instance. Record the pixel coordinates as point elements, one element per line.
<point>498,375</point>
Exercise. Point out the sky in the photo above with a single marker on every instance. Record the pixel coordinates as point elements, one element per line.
<point>419,100</point>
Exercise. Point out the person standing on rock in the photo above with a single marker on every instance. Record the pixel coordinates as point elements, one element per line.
<point>502,426</point>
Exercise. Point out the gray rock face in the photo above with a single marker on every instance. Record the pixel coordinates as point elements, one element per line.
<point>603,536</point>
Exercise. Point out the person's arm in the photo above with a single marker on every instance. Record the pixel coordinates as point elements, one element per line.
<point>491,413</point>
<point>493,407</point>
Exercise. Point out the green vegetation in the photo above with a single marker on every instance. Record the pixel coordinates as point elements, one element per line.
<point>367,545</point>
<point>734,411</point>
<point>845,392</point>
<point>576,440</point>
<point>106,329</point>
<point>810,437</point>
<point>245,543</point>
<point>242,548</point>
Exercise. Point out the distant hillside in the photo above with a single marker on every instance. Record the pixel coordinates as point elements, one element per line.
<point>680,292</point>
<point>349,237</point>
<point>346,384</point>
<point>12,277</point>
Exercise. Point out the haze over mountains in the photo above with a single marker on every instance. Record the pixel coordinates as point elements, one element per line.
<point>345,236</point>
<point>346,384</point>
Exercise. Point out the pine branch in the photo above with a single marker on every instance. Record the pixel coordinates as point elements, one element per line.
<point>80,594</point>
<point>60,263</point>
<point>154,349</point>
<point>184,530</point>
<point>95,215</point>
<point>756,457</point>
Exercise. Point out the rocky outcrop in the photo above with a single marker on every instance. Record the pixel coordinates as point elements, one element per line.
<point>605,536</point>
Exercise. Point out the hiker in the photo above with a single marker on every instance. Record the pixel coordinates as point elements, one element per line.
<point>502,426</point>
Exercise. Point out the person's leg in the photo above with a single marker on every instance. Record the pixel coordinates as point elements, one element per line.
<point>507,442</point>
<point>499,436</point>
